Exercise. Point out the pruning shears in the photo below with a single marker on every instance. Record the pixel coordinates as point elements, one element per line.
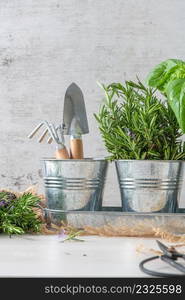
<point>170,256</point>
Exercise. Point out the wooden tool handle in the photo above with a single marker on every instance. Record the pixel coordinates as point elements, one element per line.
<point>76,148</point>
<point>62,153</point>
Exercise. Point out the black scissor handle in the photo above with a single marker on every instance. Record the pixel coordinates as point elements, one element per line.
<point>155,273</point>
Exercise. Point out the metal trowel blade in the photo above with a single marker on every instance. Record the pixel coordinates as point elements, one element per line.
<point>74,113</point>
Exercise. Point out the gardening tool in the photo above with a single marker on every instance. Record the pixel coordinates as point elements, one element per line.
<point>75,120</point>
<point>170,256</point>
<point>55,134</point>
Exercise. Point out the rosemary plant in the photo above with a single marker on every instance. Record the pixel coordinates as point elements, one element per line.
<point>135,124</point>
<point>17,215</point>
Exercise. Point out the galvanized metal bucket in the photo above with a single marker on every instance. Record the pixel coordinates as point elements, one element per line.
<point>148,186</point>
<point>74,184</point>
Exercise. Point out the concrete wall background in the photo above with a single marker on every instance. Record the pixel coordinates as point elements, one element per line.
<point>47,44</point>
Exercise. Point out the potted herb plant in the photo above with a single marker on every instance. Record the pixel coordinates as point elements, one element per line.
<point>143,136</point>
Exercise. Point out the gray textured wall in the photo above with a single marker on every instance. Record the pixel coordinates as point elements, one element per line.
<point>47,44</point>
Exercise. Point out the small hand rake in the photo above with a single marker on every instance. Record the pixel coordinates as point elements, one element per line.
<point>55,134</point>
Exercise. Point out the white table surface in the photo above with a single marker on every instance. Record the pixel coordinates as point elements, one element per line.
<point>47,256</point>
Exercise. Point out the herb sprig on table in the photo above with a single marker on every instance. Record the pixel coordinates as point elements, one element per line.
<point>17,214</point>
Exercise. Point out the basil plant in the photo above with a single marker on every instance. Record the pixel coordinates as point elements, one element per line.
<point>169,78</point>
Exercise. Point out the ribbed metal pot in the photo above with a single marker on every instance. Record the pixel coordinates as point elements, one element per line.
<point>149,185</point>
<point>74,184</point>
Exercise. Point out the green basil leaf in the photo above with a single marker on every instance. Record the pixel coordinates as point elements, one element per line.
<point>161,74</point>
<point>175,91</point>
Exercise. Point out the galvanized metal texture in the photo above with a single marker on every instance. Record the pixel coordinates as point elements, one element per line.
<point>74,114</point>
<point>74,184</point>
<point>149,186</point>
<point>137,224</point>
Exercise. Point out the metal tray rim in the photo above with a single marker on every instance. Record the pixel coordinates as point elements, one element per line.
<point>118,213</point>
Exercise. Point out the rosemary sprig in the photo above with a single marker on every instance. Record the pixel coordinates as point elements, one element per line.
<point>70,235</point>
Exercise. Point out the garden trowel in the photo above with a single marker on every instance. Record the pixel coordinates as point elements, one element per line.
<point>75,120</point>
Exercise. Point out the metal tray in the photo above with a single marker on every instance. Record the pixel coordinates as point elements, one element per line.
<point>113,217</point>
